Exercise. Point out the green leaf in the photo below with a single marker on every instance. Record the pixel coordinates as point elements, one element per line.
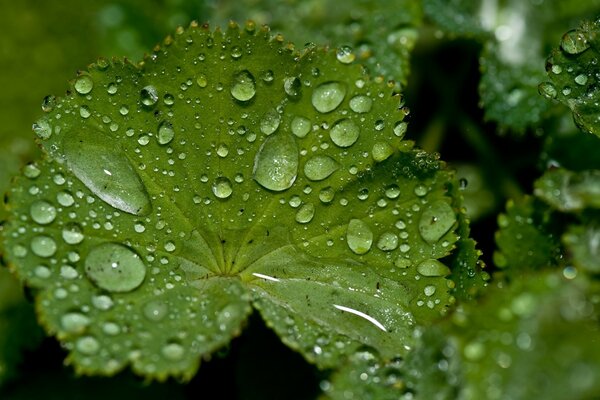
<point>583,242</point>
<point>228,170</point>
<point>572,70</point>
<point>526,237</point>
<point>569,191</point>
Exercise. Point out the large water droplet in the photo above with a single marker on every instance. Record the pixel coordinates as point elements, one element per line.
<point>574,42</point>
<point>436,220</point>
<point>109,175</point>
<point>84,84</point>
<point>149,96</point>
<point>320,167</point>
<point>276,163</point>
<point>305,213</point>
<point>43,246</point>
<point>165,132</point>
<point>244,86</point>
<point>72,233</point>
<point>361,104</point>
<point>270,122</point>
<point>328,96</point>
<point>42,212</point>
<point>432,267</point>
<point>115,268</point>
<point>222,188</point>
<point>345,55</point>
<point>300,126</point>
<point>42,129</point>
<point>344,133</point>
<point>359,236</point>
<point>74,322</point>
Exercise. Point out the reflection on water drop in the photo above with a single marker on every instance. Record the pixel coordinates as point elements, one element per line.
<point>115,268</point>
<point>359,236</point>
<point>72,233</point>
<point>244,86</point>
<point>320,167</point>
<point>165,133</point>
<point>84,84</point>
<point>43,246</point>
<point>276,163</point>
<point>345,55</point>
<point>42,212</point>
<point>574,42</point>
<point>222,188</point>
<point>149,96</point>
<point>328,96</point>
<point>436,220</point>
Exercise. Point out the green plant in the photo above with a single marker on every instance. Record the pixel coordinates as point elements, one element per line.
<point>230,171</point>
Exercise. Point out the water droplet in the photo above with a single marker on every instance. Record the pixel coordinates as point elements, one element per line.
<point>359,236</point>
<point>42,212</point>
<point>244,86</point>
<point>72,233</point>
<point>305,213</point>
<point>42,129</point>
<point>115,268</point>
<point>548,90</point>
<point>170,246</point>
<point>88,345</point>
<point>574,42</point>
<point>432,267</point>
<point>345,55</point>
<point>429,290</point>
<point>168,99</point>
<point>300,126</point>
<point>402,262</point>
<point>381,151</point>
<point>156,310</point>
<point>361,104</point>
<point>65,199</point>
<point>292,87</point>
<point>270,122</point>
<point>276,163</point>
<point>84,84</point>
<point>392,191</point>
<point>388,241</point>
<point>31,171</point>
<point>236,52</point>
<point>43,246</point>
<point>102,302</point>
<point>173,351</point>
<point>202,81</point>
<point>267,76</point>
<point>42,272</point>
<point>400,129</point>
<point>328,96</point>
<point>110,328</point>
<point>222,188</point>
<point>320,167</point>
<point>436,220</point>
<point>74,322</point>
<point>165,133</point>
<point>48,103</point>
<point>327,194</point>
<point>109,175</point>
<point>344,133</point>
<point>149,96</point>
<point>581,79</point>
<point>420,190</point>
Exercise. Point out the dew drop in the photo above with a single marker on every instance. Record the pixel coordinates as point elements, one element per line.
<point>244,86</point>
<point>344,133</point>
<point>270,122</point>
<point>548,90</point>
<point>42,129</point>
<point>574,42</point>
<point>581,79</point>
<point>74,322</point>
<point>42,212</point>
<point>361,104</point>
<point>388,241</point>
<point>102,302</point>
<point>222,188</point>
<point>436,220</point>
<point>432,267</point>
<point>381,151</point>
<point>345,55</point>
<point>320,167</point>
<point>109,175</point>
<point>84,84</point>
<point>429,290</point>
<point>328,96</point>
<point>359,236</point>
<point>327,194</point>
<point>156,310</point>
<point>165,133</point>
<point>276,163</point>
<point>115,268</point>
<point>420,190</point>
<point>72,233</point>
<point>392,191</point>
<point>400,129</point>
<point>202,81</point>
<point>43,246</point>
<point>65,199</point>
<point>149,96</point>
<point>31,171</point>
<point>88,345</point>
<point>173,351</point>
<point>292,87</point>
<point>305,213</point>
<point>300,126</point>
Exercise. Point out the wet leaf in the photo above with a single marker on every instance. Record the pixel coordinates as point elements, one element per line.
<point>228,170</point>
<point>583,242</point>
<point>569,191</point>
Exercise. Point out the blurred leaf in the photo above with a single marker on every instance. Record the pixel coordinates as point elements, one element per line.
<point>569,191</point>
<point>583,242</point>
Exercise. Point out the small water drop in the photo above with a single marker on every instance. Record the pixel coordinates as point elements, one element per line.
<point>548,90</point>
<point>42,212</point>
<point>345,55</point>
<point>429,290</point>
<point>84,84</point>
<point>48,103</point>
<point>344,133</point>
<point>74,322</point>
<point>65,199</point>
<point>320,167</point>
<point>149,96</point>
<point>432,267</point>
<point>327,194</point>
<point>436,220</point>
<point>276,163</point>
<point>292,87</point>
<point>361,104</point>
<point>305,213</point>
<point>202,81</point>
<point>72,233</point>
<point>270,122</point>
<point>388,241</point>
<point>574,42</point>
<point>359,236</point>
<point>300,126</point>
<point>156,310</point>
<point>392,191</point>
<point>115,268</point>
<point>328,96</point>
<point>87,345</point>
<point>244,86</point>
<point>420,190</point>
<point>581,79</point>
<point>173,351</point>
<point>381,151</point>
<point>31,171</point>
<point>222,188</point>
<point>165,133</point>
<point>43,246</point>
<point>400,128</point>
<point>42,129</point>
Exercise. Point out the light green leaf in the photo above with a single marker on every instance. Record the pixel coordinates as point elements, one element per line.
<point>569,191</point>
<point>179,192</point>
<point>583,242</point>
